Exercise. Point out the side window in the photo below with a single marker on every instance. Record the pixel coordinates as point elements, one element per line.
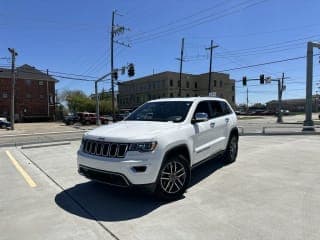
<point>203,107</point>
<point>226,109</point>
<point>216,109</point>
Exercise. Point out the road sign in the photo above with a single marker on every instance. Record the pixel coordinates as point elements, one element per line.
<point>212,94</point>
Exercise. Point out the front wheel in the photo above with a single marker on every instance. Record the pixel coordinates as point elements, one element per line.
<point>231,151</point>
<point>173,179</point>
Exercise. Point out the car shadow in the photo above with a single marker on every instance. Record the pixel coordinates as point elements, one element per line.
<point>101,202</point>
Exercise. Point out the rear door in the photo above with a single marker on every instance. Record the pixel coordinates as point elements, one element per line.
<point>205,134</point>
<point>220,115</point>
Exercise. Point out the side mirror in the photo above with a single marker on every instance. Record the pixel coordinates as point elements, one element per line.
<point>200,117</point>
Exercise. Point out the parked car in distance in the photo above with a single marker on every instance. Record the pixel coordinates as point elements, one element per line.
<point>157,145</point>
<point>85,118</point>
<point>4,123</point>
<point>71,119</point>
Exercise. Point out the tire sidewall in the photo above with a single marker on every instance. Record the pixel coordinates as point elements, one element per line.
<point>228,158</point>
<point>174,196</point>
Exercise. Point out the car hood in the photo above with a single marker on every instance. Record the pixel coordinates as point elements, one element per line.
<point>128,131</point>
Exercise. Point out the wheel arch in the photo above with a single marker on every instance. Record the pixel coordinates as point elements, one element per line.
<point>234,131</point>
<point>179,150</point>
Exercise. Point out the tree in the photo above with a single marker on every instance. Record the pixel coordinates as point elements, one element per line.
<point>78,101</point>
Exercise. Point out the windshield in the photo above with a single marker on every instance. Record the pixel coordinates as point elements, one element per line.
<point>175,111</point>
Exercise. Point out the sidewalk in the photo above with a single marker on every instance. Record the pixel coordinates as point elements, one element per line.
<point>43,127</point>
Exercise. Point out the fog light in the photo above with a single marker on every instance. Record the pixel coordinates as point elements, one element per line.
<point>139,169</point>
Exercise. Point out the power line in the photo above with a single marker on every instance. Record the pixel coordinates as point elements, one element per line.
<point>202,20</point>
<point>266,63</point>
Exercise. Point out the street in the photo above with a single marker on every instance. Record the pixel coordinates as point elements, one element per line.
<point>270,192</point>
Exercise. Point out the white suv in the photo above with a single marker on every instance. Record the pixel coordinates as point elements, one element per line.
<point>159,143</point>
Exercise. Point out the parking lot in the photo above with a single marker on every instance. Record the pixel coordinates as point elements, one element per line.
<point>272,191</point>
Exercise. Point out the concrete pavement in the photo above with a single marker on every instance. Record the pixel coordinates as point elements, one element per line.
<point>270,192</point>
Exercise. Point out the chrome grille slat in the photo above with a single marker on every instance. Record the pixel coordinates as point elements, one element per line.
<point>105,149</point>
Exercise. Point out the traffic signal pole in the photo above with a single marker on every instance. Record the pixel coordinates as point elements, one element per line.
<point>308,124</point>
<point>281,88</point>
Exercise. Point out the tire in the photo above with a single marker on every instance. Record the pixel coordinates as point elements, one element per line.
<point>231,152</point>
<point>173,180</point>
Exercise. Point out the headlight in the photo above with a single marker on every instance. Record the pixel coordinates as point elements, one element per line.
<point>143,147</point>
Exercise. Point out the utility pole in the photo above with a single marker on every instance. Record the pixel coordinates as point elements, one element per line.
<point>111,63</point>
<point>115,30</point>
<point>308,123</point>
<point>13,80</point>
<point>181,60</point>
<point>281,88</point>
<point>210,66</point>
<point>247,99</point>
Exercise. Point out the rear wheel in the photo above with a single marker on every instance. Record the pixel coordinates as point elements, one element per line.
<point>173,180</point>
<point>231,151</point>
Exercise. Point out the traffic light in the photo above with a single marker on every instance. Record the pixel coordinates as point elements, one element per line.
<point>115,75</point>
<point>244,81</point>
<point>130,70</point>
<point>261,78</point>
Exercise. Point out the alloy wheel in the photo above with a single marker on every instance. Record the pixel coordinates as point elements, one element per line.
<point>173,177</point>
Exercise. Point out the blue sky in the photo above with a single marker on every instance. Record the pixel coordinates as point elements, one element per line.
<point>74,37</point>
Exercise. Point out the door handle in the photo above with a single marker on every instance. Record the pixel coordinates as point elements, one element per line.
<point>227,120</point>
<point>212,125</point>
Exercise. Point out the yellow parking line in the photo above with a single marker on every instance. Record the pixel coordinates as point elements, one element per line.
<point>21,170</point>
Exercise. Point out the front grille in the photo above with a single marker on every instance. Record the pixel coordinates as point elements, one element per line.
<point>111,178</point>
<point>104,149</point>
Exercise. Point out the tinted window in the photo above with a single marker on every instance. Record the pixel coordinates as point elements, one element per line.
<point>216,109</point>
<point>225,107</point>
<point>203,107</point>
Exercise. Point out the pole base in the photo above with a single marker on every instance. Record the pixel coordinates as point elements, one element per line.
<point>308,126</point>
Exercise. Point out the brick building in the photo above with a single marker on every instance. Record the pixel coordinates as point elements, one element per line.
<point>34,94</point>
<point>166,84</point>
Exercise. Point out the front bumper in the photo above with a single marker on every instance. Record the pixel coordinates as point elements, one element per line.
<point>134,169</point>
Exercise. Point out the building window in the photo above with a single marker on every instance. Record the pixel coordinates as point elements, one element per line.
<point>179,83</point>
<point>233,99</point>
<point>195,85</point>
<point>171,94</point>
<point>215,83</point>
<point>51,99</point>
<point>232,88</point>
<point>171,83</point>
<point>28,82</point>
<point>41,96</point>
<point>40,83</point>
<point>187,95</point>
<point>5,95</point>
<point>28,95</point>
<point>188,84</point>
<point>220,83</point>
